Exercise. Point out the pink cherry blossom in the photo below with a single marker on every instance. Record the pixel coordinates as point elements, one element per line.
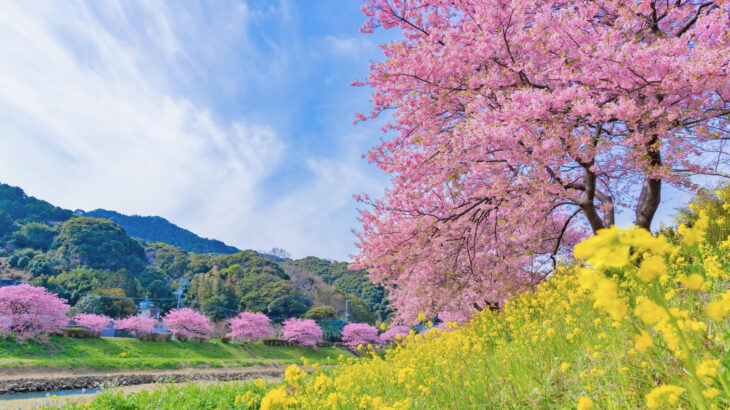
<point>391,334</point>
<point>355,334</point>
<point>27,311</point>
<point>304,332</point>
<point>249,327</point>
<point>187,322</point>
<point>136,325</point>
<point>93,322</point>
<point>519,127</point>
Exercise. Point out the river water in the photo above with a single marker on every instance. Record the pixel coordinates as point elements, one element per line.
<point>36,395</point>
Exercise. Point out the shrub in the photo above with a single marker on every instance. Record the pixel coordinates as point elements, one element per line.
<point>188,323</point>
<point>249,327</point>
<point>80,333</point>
<point>136,325</point>
<point>277,342</point>
<point>95,323</point>
<point>156,337</point>
<point>360,334</point>
<point>303,332</point>
<point>28,311</point>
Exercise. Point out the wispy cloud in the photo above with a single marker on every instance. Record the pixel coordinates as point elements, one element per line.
<point>349,46</point>
<point>87,122</point>
<point>187,112</point>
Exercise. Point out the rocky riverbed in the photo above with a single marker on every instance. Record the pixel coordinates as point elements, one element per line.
<point>59,381</point>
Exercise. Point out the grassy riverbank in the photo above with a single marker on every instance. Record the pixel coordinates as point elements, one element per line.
<point>126,353</point>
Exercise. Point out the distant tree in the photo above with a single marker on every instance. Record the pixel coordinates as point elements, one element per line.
<point>7,226</point>
<point>132,287</point>
<point>27,311</point>
<point>249,327</point>
<point>200,263</point>
<point>115,304</point>
<point>75,282</point>
<point>304,332</point>
<point>219,307</point>
<point>355,334</point>
<point>287,306</point>
<point>136,325</point>
<point>13,261</point>
<point>95,323</point>
<point>321,313</point>
<point>171,261</point>
<point>98,244</point>
<point>353,282</point>
<point>89,304</point>
<point>359,310</point>
<point>332,329</point>
<point>187,322</point>
<point>40,265</point>
<point>23,262</point>
<point>158,289</point>
<point>34,235</point>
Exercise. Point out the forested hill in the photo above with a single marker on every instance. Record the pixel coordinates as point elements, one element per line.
<point>103,262</point>
<point>158,229</point>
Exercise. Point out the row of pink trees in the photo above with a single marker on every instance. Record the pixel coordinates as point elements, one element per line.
<point>27,311</point>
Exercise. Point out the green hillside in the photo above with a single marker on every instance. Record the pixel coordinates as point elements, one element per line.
<point>158,229</point>
<point>105,262</point>
<point>126,353</point>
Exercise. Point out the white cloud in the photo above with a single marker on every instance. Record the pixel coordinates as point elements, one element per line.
<point>349,46</point>
<point>96,111</point>
<point>318,215</point>
<point>85,123</point>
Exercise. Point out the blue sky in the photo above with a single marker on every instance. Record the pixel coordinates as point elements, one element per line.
<point>231,118</point>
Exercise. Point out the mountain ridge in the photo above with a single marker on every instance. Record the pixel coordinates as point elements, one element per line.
<point>159,229</point>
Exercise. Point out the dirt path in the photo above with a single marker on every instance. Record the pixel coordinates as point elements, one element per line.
<point>49,402</point>
<point>58,372</point>
<point>51,380</point>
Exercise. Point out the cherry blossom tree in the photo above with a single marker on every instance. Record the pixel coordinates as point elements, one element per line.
<point>355,334</point>
<point>93,322</point>
<point>304,332</point>
<point>519,127</point>
<point>27,311</point>
<point>391,334</point>
<point>135,325</point>
<point>187,322</point>
<point>249,327</point>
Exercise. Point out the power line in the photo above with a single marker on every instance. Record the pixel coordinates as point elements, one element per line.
<point>5,283</point>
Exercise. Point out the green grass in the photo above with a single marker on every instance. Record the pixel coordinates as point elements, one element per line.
<point>127,353</point>
<point>228,395</point>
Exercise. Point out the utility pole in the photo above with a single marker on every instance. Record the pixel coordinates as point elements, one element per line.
<point>347,315</point>
<point>180,290</point>
<point>183,286</point>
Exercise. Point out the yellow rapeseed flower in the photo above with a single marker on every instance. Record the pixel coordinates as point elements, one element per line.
<point>643,342</point>
<point>666,394</point>
<point>651,267</point>
<point>707,370</point>
<point>693,281</point>
<point>584,403</point>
